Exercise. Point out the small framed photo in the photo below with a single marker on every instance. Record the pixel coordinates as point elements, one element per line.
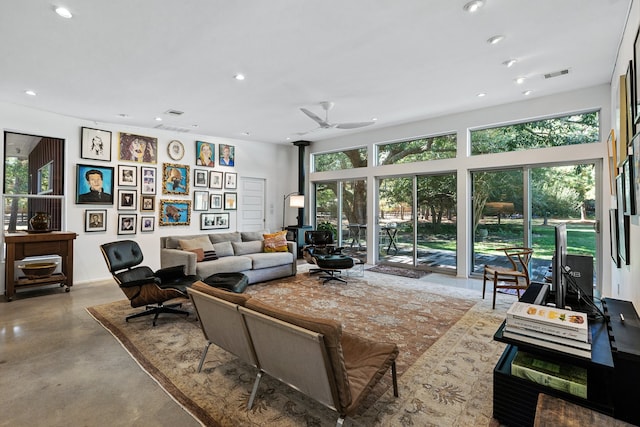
<point>94,185</point>
<point>96,144</point>
<point>200,200</point>
<point>212,221</point>
<point>230,201</point>
<point>200,178</point>
<point>215,180</point>
<point>95,220</point>
<point>215,201</point>
<point>175,212</point>
<point>147,223</point>
<point>629,186</point>
<point>175,179</point>
<point>127,200</point>
<point>127,176</point>
<point>127,223</point>
<point>230,180</point>
<point>205,154</point>
<point>148,180</point>
<point>227,155</point>
<point>137,148</point>
<point>147,203</point>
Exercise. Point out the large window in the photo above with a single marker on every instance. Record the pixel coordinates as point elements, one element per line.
<point>348,159</point>
<point>417,150</point>
<point>567,130</point>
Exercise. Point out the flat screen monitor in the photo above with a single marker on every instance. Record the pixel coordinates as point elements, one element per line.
<point>559,285</point>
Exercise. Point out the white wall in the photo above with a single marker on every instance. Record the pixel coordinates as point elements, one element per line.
<point>277,164</point>
<point>627,278</point>
<point>580,100</point>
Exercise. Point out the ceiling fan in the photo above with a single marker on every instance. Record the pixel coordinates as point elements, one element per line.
<point>325,124</point>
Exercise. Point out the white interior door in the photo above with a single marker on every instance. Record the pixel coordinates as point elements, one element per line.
<point>252,204</point>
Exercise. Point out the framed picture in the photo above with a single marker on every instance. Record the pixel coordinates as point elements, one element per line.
<point>127,223</point>
<point>230,180</point>
<point>631,105</point>
<point>623,223</point>
<point>175,179</point>
<point>215,180</point>
<point>95,220</point>
<point>148,179</point>
<point>137,148</point>
<point>613,230</point>
<point>212,221</point>
<point>623,139</point>
<point>226,155</point>
<point>127,176</point>
<point>635,168</point>
<point>95,144</point>
<point>127,200</point>
<point>629,193</point>
<point>613,161</point>
<point>147,203</point>
<point>200,178</point>
<point>200,200</point>
<point>147,223</point>
<point>205,154</point>
<point>230,201</point>
<point>175,150</point>
<point>94,185</point>
<point>636,77</point>
<point>175,212</point>
<point>215,201</point>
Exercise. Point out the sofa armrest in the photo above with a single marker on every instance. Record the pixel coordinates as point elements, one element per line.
<point>292,247</point>
<point>175,257</point>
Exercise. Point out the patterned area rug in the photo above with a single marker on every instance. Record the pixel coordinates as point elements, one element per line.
<point>445,364</point>
<point>397,271</point>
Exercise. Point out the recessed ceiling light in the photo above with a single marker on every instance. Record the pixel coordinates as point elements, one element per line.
<point>64,12</point>
<point>473,6</point>
<point>481,94</point>
<point>495,39</point>
<point>30,92</point>
<point>123,115</point>
<point>194,126</point>
<point>239,76</point>
<point>246,133</point>
<point>527,92</point>
<point>520,80</point>
<point>509,63</point>
<point>158,119</point>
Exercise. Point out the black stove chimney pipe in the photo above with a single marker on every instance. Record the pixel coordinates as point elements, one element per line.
<point>301,175</point>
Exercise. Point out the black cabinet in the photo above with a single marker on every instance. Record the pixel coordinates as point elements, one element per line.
<point>296,234</point>
<point>613,372</point>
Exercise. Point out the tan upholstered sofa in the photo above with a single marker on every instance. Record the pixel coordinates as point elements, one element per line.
<point>334,367</point>
<point>236,252</point>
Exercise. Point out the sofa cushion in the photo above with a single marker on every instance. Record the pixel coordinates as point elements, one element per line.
<point>248,236</point>
<point>231,297</point>
<point>201,242</point>
<point>332,332</point>
<point>223,249</point>
<point>276,242</point>
<point>243,248</point>
<point>225,237</point>
<point>227,264</point>
<point>266,260</point>
<point>202,255</point>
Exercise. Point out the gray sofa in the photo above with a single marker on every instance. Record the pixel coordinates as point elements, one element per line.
<point>237,252</point>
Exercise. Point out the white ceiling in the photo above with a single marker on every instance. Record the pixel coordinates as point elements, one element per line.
<point>394,60</point>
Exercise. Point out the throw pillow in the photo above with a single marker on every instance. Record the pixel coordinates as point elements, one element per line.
<point>199,253</point>
<point>202,255</point>
<point>244,248</point>
<point>276,242</point>
<point>202,242</point>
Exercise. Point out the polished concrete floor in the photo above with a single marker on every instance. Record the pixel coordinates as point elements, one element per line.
<point>59,367</point>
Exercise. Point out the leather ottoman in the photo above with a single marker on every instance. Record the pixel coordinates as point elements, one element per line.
<point>234,282</point>
<point>332,264</point>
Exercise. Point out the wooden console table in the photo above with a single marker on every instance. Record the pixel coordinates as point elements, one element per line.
<point>22,245</point>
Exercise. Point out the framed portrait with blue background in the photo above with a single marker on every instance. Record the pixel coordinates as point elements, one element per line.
<point>175,179</point>
<point>94,185</point>
<point>175,212</point>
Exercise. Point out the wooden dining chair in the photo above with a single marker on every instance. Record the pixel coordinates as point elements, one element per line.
<point>514,277</point>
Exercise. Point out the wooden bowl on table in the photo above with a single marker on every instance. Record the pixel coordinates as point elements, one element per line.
<point>38,270</point>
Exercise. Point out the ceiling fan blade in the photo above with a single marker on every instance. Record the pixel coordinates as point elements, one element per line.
<point>315,118</point>
<point>353,125</point>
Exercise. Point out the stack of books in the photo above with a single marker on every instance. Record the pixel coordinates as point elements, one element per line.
<point>560,376</point>
<point>553,328</point>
